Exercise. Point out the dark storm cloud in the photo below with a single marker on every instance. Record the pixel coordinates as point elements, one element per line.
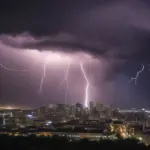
<point>119,29</point>
<point>115,30</point>
<point>62,42</point>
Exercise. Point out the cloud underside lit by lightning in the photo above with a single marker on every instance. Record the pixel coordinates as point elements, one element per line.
<point>86,102</point>
<point>137,75</point>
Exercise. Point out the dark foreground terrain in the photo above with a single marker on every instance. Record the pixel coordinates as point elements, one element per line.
<point>42,143</point>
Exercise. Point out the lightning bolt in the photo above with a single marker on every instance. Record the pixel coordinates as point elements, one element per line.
<point>65,80</point>
<point>137,75</point>
<point>8,69</point>
<point>44,73</point>
<point>43,77</point>
<point>87,86</point>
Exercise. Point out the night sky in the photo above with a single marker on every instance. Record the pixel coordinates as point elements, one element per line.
<point>115,34</point>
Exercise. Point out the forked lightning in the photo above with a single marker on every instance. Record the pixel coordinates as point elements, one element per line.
<point>9,69</point>
<point>86,102</point>
<point>137,75</point>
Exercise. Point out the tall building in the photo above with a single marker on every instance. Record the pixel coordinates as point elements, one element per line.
<point>99,106</point>
<point>147,123</point>
<point>79,107</point>
<point>91,105</point>
<point>72,109</point>
<point>78,110</point>
<point>108,111</point>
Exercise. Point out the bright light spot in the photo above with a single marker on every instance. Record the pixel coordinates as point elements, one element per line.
<point>140,138</point>
<point>49,122</point>
<point>123,134</point>
<point>29,116</point>
<point>54,56</point>
<point>9,107</point>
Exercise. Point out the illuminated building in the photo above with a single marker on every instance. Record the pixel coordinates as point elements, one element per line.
<point>120,128</point>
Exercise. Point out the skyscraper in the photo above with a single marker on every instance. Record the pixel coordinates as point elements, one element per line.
<point>99,106</point>
<point>91,105</point>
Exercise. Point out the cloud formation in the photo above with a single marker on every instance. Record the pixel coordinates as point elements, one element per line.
<point>119,29</point>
